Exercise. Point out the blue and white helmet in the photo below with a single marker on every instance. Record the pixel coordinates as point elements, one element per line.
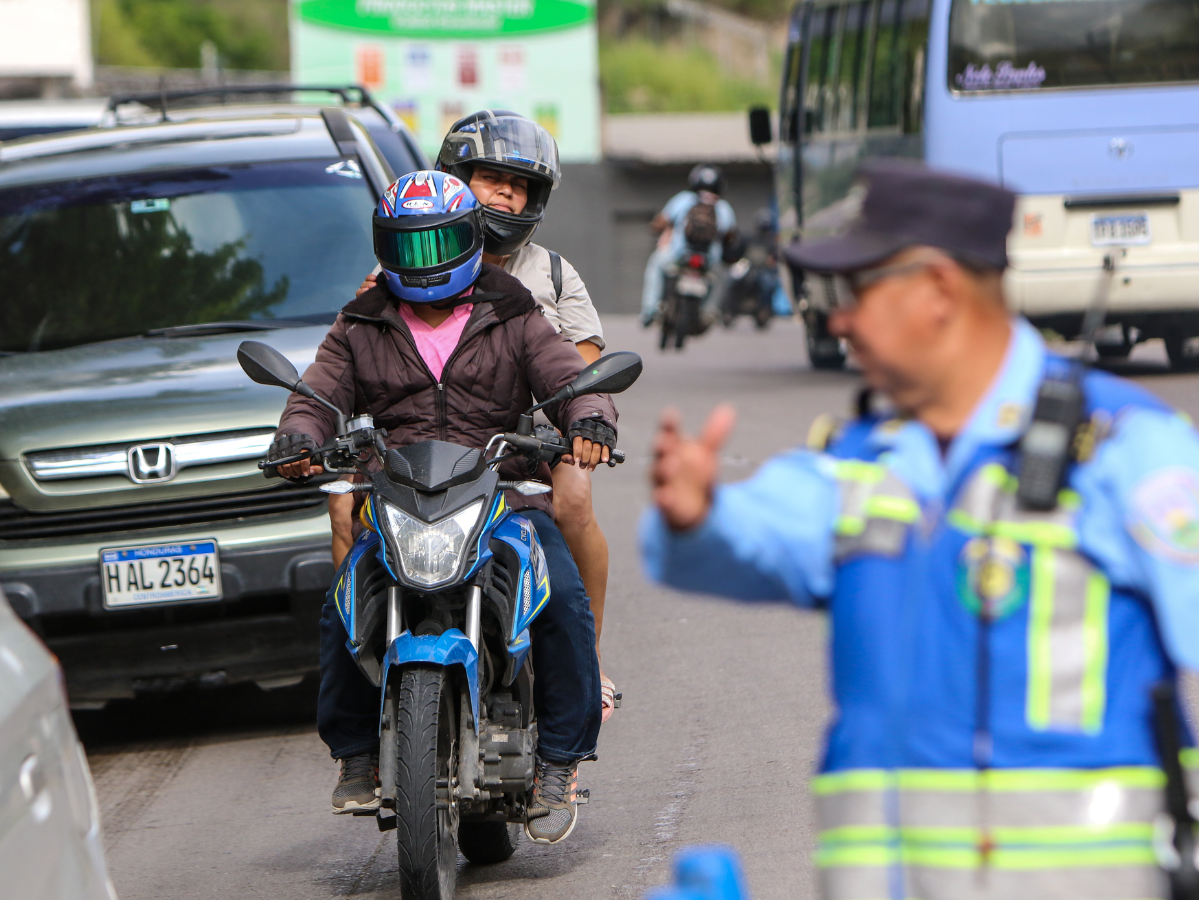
<point>428,237</point>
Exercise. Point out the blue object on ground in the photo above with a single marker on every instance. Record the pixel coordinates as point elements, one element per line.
<point>704,873</point>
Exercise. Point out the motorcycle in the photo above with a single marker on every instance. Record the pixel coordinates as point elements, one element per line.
<point>688,284</point>
<point>437,599</point>
<point>752,282</point>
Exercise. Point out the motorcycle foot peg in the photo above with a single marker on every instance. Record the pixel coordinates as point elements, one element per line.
<point>583,797</point>
<point>616,698</point>
<point>385,823</point>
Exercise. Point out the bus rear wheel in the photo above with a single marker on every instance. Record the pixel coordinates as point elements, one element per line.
<point>1182,351</point>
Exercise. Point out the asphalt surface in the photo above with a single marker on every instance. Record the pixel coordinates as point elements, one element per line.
<point>226,793</point>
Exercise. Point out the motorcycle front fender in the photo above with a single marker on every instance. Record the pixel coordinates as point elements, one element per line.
<point>452,648</point>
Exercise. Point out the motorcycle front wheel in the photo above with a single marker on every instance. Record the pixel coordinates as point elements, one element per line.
<point>426,811</point>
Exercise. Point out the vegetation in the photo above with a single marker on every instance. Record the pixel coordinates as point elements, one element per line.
<point>639,75</point>
<point>248,34</point>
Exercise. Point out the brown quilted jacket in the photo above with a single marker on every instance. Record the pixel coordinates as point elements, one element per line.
<point>508,355</point>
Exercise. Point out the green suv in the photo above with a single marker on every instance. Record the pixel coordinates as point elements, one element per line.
<point>138,537</point>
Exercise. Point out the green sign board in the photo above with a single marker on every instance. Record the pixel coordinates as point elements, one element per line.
<point>437,60</point>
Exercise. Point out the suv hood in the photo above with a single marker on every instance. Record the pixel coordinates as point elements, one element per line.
<point>143,389</point>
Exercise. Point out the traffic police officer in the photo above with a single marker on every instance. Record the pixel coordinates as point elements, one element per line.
<point>992,663</point>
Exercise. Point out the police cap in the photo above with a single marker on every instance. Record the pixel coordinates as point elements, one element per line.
<point>907,204</point>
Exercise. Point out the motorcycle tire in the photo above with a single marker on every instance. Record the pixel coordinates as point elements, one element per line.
<point>682,323</point>
<point>426,812</point>
<point>486,843</point>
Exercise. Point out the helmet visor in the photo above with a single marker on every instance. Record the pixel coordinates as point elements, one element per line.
<point>425,249</point>
<point>512,141</point>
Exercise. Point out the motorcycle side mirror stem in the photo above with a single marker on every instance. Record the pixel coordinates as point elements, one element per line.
<point>266,365</point>
<point>610,374</point>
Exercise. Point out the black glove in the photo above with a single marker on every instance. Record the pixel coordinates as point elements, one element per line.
<point>285,445</point>
<point>595,430</point>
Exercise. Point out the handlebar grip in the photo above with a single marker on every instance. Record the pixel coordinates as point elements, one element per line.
<point>615,458</point>
<point>269,471</point>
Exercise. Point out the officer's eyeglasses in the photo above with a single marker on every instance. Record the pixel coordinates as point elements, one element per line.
<point>843,291</point>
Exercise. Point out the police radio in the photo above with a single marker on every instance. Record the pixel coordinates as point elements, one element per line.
<point>1049,444</point>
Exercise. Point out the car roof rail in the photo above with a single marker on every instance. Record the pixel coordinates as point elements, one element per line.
<point>162,98</point>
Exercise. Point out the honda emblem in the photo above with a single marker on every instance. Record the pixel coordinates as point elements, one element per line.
<point>150,463</point>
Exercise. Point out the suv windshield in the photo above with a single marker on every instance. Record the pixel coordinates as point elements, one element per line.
<point>1003,46</point>
<point>98,259</point>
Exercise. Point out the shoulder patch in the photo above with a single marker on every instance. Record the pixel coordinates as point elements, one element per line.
<point>1165,514</point>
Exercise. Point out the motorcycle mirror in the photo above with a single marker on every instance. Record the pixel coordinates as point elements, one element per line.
<point>611,374</point>
<point>338,487</point>
<point>266,365</point>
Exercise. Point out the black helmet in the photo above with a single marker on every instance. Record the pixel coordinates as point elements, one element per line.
<point>705,178</point>
<point>502,139</point>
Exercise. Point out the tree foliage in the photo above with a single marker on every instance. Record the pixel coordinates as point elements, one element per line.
<point>248,34</point>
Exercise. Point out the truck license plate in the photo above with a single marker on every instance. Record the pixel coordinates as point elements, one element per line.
<point>160,573</point>
<point>1131,228</point>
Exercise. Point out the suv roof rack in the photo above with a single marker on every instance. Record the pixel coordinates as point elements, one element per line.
<point>163,98</point>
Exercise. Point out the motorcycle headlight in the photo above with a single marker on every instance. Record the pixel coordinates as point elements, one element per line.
<point>429,553</point>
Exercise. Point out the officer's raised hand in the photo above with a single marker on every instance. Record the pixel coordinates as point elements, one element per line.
<point>684,471</point>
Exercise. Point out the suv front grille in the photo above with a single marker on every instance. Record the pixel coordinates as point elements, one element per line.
<point>22,524</point>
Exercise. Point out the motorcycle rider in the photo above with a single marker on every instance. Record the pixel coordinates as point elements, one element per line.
<point>448,347</point>
<point>511,165</point>
<point>704,186</point>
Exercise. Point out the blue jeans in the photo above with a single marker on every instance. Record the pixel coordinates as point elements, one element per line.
<point>566,690</point>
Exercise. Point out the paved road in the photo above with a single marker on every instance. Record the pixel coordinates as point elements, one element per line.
<point>226,794</point>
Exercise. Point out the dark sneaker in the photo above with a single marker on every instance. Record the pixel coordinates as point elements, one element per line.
<point>358,785</point>
<point>554,806</point>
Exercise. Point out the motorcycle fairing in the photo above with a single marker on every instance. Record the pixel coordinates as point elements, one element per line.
<point>451,648</point>
<point>534,592</point>
<point>343,591</point>
<point>482,552</point>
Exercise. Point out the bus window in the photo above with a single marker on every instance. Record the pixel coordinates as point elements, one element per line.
<point>852,60</point>
<point>996,46</point>
<point>789,110</point>
<point>821,71</point>
<point>897,73</point>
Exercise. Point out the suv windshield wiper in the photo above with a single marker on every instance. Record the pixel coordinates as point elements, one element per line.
<point>204,328</point>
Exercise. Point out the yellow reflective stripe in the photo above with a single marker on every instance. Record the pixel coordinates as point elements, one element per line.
<point>995,780</point>
<point>1039,534</point>
<point>861,834</point>
<point>852,780</point>
<point>1075,834</point>
<point>1098,857</point>
<point>1190,758</point>
<point>828,857</point>
<point>1094,640</point>
<point>850,526</point>
<point>1040,656</point>
<point>856,470</point>
<point>1003,837</point>
<point>901,509</point>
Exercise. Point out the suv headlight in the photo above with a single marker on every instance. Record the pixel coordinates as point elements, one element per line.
<point>429,554</point>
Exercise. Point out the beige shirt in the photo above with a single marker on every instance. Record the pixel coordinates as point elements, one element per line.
<point>572,314</point>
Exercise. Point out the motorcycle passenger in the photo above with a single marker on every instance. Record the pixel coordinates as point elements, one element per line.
<point>450,348</point>
<point>1009,558</point>
<point>511,165</point>
<point>715,215</point>
<point>754,277</point>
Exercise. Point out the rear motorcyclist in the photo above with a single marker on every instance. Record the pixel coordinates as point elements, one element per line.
<point>699,203</point>
<point>511,165</point>
<point>447,347</point>
<point>754,276</point>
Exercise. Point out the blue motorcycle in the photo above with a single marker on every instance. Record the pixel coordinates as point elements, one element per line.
<point>437,599</point>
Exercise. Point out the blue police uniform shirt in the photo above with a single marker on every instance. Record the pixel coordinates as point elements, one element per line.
<point>676,210</point>
<point>772,537</point>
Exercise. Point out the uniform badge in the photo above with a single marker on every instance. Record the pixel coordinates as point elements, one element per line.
<point>1165,514</point>
<point>993,575</point>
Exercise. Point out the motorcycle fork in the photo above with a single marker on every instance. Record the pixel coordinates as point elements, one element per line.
<point>468,729</point>
<point>387,725</point>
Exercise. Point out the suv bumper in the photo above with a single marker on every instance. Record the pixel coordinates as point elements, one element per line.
<point>264,629</point>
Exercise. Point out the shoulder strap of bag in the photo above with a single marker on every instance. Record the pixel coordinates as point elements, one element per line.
<point>556,273</point>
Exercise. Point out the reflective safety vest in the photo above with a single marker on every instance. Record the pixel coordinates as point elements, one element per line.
<point>993,736</point>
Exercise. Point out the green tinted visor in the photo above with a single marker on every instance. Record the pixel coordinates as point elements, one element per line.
<point>429,248</point>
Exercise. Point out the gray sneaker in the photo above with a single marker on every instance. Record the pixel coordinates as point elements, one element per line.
<point>358,784</point>
<point>554,807</point>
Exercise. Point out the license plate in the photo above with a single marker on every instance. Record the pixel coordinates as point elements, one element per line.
<point>691,286</point>
<point>1131,228</point>
<point>160,573</point>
